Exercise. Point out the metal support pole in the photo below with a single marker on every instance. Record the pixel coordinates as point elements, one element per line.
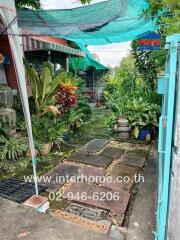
<point>93,84</point>
<point>67,63</point>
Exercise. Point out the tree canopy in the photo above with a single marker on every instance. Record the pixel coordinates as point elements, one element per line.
<point>151,63</point>
<point>36,4</point>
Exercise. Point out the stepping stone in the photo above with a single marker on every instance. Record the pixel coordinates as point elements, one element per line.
<point>58,176</point>
<point>94,160</point>
<point>98,196</point>
<point>94,145</point>
<point>132,160</point>
<point>118,185</point>
<point>137,152</point>
<point>113,152</point>
<point>92,174</point>
<point>124,171</point>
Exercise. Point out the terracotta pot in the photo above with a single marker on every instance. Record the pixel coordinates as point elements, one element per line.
<point>46,150</point>
<point>29,155</point>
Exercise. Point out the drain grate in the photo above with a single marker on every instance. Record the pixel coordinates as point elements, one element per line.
<point>16,190</point>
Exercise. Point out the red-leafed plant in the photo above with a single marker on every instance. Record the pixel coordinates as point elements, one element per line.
<point>66,96</point>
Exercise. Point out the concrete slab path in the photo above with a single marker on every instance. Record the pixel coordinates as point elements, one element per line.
<point>142,222</point>
<point>20,222</point>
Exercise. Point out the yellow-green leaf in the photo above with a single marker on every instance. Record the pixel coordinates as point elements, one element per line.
<point>136,132</point>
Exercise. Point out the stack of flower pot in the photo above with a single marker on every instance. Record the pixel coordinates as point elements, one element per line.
<point>122,128</point>
<point>7,114</point>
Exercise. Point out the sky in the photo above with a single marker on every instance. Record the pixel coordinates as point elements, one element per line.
<point>109,55</point>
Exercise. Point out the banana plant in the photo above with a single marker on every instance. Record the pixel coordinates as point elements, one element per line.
<point>44,85</point>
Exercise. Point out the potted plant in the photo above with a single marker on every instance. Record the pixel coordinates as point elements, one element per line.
<point>151,119</point>
<point>143,117</point>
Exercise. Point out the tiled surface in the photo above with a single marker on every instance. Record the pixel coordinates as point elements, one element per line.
<point>94,160</point>
<point>94,145</point>
<point>58,176</point>
<point>105,197</point>
<point>124,171</point>
<point>133,160</point>
<point>112,152</point>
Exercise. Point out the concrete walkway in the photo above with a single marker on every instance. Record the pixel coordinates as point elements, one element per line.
<point>20,222</point>
<point>142,222</point>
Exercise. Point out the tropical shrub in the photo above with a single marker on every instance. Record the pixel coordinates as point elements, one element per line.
<point>66,96</point>
<point>116,102</point>
<point>75,118</point>
<point>122,94</point>
<point>44,86</point>
<point>46,130</point>
<point>142,114</point>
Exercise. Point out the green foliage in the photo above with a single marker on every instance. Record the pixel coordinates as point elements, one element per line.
<point>12,148</point>
<point>151,63</point>
<point>3,131</point>
<point>119,85</point>
<point>44,87</point>
<point>169,21</point>
<point>46,130</point>
<point>140,113</point>
<point>85,1</point>
<point>115,101</point>
<point>126,84</point>
<point>123,96</point>
<point>85,107</point>
<point>35,4</point>
<point>75,118</point>
<point>124,77</point>
<point>83,102</point>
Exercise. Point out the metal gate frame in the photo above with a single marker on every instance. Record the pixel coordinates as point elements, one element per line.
<point>166,87</point>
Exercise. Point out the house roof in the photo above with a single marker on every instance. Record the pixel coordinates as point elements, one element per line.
<point>33,44</point>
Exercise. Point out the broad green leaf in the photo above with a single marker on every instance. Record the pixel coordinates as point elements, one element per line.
<point>46,80</point>
<point>136,132</point>
<point>148,137</point>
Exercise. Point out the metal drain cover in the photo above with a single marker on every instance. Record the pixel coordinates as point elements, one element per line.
<point>16,190</point>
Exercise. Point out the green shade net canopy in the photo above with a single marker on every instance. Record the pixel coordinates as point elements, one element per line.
<point>96,24</point>
<point>83,63</point>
